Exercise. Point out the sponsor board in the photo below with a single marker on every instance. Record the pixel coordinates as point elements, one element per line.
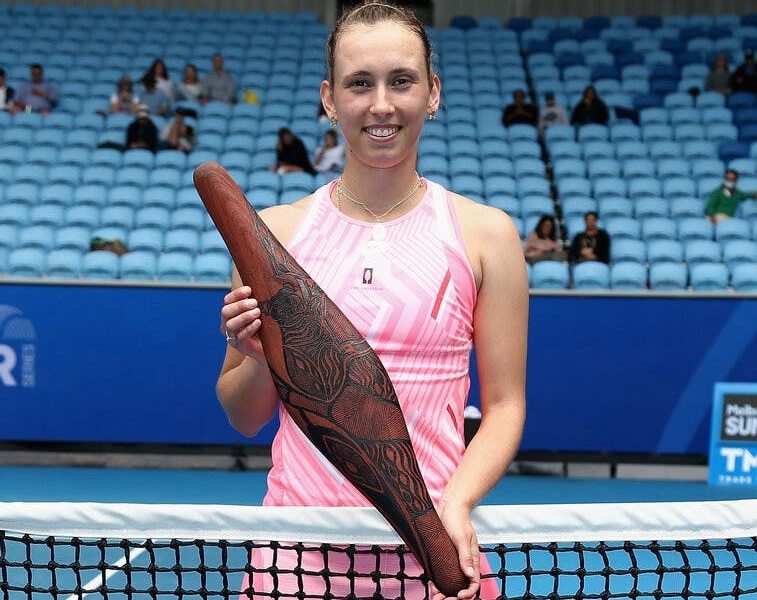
<point>733,440</point>
<point>18,349</point>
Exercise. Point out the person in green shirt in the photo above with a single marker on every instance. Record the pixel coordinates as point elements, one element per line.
<point>725,199</point>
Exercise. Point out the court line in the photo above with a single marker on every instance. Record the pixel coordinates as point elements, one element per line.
<point>95,582</point>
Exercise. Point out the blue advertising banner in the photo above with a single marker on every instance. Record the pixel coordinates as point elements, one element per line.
<point>733,435</point>
<point>88,363</point>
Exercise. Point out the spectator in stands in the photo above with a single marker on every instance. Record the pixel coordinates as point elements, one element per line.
<point>190,88</point>
<point>36,95</point>
<point>542,242</point>
<point>329,155</point>
<point>291,154</point>
<point>163,81</point>
<point>142,132</point>
<point>519,111</point>
<point>178,134</point>
<point>591,244</point>
<point>719,79</point>
<point>744,79</point>
<point>551,114</point>
<point>155,99</point>
<point>590,109</point>
<point>220,85</point>
<point>6,93</point>
<point>124,100</point>
<point>725,199</point>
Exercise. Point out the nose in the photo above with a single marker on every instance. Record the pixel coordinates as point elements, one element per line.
<point>382,103</point>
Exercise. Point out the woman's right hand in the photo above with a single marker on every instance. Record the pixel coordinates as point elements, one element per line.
<point>240,322</point>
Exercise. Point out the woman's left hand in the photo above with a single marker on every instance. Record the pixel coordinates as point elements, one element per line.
<point>456,520</point>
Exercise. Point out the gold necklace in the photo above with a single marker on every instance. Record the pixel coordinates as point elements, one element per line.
<point>379,230</point>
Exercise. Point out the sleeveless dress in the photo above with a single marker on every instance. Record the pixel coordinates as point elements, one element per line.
<point>408,287</point>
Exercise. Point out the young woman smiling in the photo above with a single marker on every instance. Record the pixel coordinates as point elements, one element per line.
<point>425,274</point>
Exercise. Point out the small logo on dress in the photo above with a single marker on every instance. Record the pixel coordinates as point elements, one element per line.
<point>368,275</point>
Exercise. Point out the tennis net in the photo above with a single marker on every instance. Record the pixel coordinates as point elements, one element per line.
<point>553,552</point>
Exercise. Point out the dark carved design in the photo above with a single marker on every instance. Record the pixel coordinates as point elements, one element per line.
<point>331,382</point>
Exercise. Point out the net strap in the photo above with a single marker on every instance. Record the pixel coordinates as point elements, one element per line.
<point>361,526</point>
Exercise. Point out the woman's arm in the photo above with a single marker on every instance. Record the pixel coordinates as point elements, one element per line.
<point>500,331</point>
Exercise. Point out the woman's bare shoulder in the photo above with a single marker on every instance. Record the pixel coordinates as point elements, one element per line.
<point>283,219</point>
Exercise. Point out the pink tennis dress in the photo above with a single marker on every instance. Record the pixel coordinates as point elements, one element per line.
<point>408,287</point>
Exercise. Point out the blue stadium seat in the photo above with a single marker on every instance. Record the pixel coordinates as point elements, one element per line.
<point>117,216</point>
<point>14,214</point>
<point>665,251</point>
<point>702,251</point>
<point>165,177</point>
<point>73,238</point>
<point>174,266</point>
<point>125,196</point>
<point>188,218</point>
<point>628,276</point>
<point>626,250</point>
<point>610,187</point>
<point>649,207</point>
<point>100,264</point>
<point>536,206</point>
<point>65,174</point>
<point>656,228</point>
<point>678,187</point>
<point>732,229</point>
<point>187,197</point>
<point>591,275</point>
<point>64,263</point>
<point>682,208</point>
<point>36,236</point>
<point>643,187</point>
<point>744,277</point>
<point>46,214</point>
<point>138,265</point>
<point>739,251</point>
<point>638,167</point>
<point>607,167</point>
<point>26,262</point>
<point>467,185</point>
<point>211,268</point>
<point>42,155</point>
<point>623,228</point>
<point>593,150</point>
<point>709,277</point>
<point>464,165</point>
<point>577,206</point>
<point>494,185</point>
<point>172,158</point>
<point>668,277</point>
<point>672,167</point>
<point>146,239</point>
<point>181,240</point>
<point>612,208</point>
<point>549,274</point>
<point>158,218</point>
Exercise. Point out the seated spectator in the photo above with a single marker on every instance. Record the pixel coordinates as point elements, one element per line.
<point>329,155</point>
<point>591,109</point>
<point>36,95</point>
<point>591,244</point>
<point>551,114</point>
<point>124,100</point>
<point>178,134</point>
<point>542,242</point>
<point>744,78</point>
<point>142,132</point>
<point>725,199</point>
<point>220,85</point>
<point>6,93</point>
<point>291,154</point>
<point>155,99</point>
<point>719,79</point>
<point>190,88</point>
<point>162,80</point>
<point>519,111</point>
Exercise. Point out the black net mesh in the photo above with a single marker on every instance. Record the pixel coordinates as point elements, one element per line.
<point>38,567</point>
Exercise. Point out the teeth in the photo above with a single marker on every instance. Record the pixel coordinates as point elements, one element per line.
<point>382,131</point>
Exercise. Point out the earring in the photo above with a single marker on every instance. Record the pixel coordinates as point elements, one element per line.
<point>334,121</point>
<point>432,116</point>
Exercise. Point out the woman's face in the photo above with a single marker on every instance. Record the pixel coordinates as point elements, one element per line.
<point>160,69</point>
<point>546,228</point>
<point>190,74</point>
<point>381,93</point>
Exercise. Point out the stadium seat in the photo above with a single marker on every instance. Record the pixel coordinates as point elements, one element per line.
<point>211,268</point>
<point>36,236</point>
<point>152,217</point>
<point>181,240</point>
<point>657,228</point>
<point>138,265</point>
<point>648,207</point>
<point>695,229</point>
<point>550,274</point>
<point>702,251</point>
<point>174,266</point>
<point>738,252</point>
<point>125,196</point>
<point>628,276</point>
<point>146,239</point>
<point>626,250</point>
<point>591,275</point>
<point>662,251</point>
<point>64,263</point>
<point>73,238</point>
<point>623,228</point>
<point>732,229</point>
<point>744,277</point>
<point>709,277</point>
<point>100,264</point>
<point>26,262</point>
<point>668,277</point>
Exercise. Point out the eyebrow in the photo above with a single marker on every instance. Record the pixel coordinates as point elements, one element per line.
<point>393,72</point>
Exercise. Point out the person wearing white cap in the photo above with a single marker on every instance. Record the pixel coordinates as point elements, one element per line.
<point>142,132</point>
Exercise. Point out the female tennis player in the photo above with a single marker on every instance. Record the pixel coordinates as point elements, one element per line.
<point>423,273</point>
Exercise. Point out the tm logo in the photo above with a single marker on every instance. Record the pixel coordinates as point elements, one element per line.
<point>18,352</point>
